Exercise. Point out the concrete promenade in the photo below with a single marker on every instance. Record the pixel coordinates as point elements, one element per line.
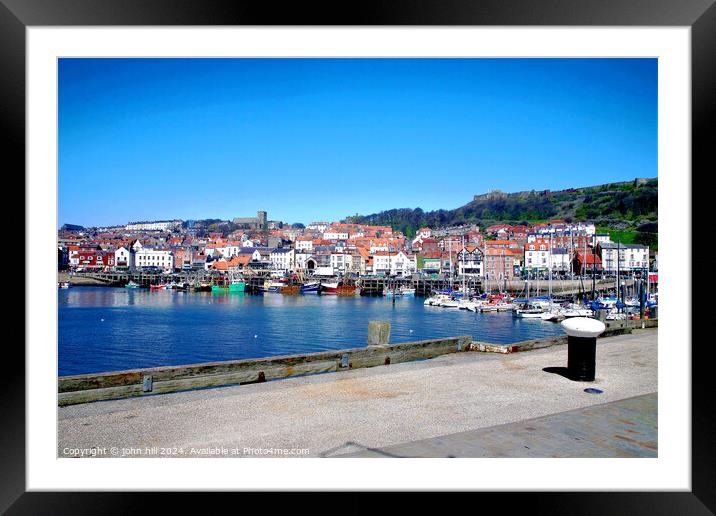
<point>448,406</point>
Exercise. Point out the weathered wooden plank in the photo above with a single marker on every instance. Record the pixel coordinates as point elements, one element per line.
<point>84,388</point>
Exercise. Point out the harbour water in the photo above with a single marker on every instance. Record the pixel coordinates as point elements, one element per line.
<point>110,329</point>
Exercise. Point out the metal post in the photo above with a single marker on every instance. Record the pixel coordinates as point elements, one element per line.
<point>582,335</point>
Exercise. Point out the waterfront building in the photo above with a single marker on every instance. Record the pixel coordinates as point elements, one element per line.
<point>147,257</point>
<point>632,257</point>
<point>94,259</point>
<point>469,261</point>
<point>341,262</point>
<point>124,258</point>
<point>300,258</point>
<point>584,262</point>
<point>499,263</point>
<point>430,263</point>
<point>394,264</point>
<point>282,259</point>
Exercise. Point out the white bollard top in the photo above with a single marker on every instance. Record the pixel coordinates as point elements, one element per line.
<point>583,327</point>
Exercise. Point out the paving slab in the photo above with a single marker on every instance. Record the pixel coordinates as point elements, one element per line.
<point>337,413</point>
<point>625,428</point>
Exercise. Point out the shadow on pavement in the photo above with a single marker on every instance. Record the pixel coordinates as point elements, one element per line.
<point>562,371</point>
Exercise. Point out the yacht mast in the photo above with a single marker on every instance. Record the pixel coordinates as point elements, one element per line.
<point>464,290</point>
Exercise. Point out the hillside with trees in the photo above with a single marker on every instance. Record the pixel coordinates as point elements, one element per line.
<point>629,207</point>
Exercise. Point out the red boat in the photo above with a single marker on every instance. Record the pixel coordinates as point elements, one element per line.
<point>329,287</point>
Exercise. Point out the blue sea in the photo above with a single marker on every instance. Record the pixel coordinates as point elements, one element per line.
<point>111,329</point>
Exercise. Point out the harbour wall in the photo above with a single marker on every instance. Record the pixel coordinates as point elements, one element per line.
<point>148,381</point>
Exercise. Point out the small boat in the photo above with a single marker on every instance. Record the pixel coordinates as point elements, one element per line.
<point>529,311</point>
<point>401,292</point>
<point>157,287</point>
<point>497,303</point>
<point>553,316</point>
<point>435,300</point>
<point>450,303</point>
<point>468,304</point>
<point>132,284</point>
<point>573,310</point>
<point>63,284</point>
<point>311,287</point>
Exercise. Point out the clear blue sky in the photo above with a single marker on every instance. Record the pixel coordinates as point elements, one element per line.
<point>320,139</point>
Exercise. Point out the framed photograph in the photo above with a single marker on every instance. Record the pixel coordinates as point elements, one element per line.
<point>297,251</point>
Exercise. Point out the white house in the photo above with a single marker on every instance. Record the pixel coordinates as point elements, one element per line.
<point>123,257</point>
<point>341,262</point>
<point>632,257</point>
<point>300,258</point>
<point>318,226</point>
<point>424,233</point>
<point>335,234</point>
<point>146,257</point>
<point>304,244</point>
<point>381,262</point>
<point>282,259</point>
<point>469,262</point>
<point>403,264</point>
<point>395,264</point>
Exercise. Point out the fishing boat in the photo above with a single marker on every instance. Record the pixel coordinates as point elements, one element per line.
<point>63,284</point>
<point>311,287</point>
<point>237,286</point>
<point>291,289</point>
<point>329,287</point>
<point>271,286</point>
<point>219,289</point>
<point>132,284</point>
<point>347,290</point>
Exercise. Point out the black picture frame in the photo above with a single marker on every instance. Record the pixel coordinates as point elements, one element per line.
<point>700,15</point>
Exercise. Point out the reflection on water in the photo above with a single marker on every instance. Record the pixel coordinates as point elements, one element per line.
<point>109,329</point>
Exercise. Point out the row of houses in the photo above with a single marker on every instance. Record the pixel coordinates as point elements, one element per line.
<point>323,248</point>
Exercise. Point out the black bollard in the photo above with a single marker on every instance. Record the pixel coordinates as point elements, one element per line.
<point>582,335</point>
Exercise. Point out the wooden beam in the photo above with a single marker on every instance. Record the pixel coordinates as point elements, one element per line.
<point>121,384</point>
